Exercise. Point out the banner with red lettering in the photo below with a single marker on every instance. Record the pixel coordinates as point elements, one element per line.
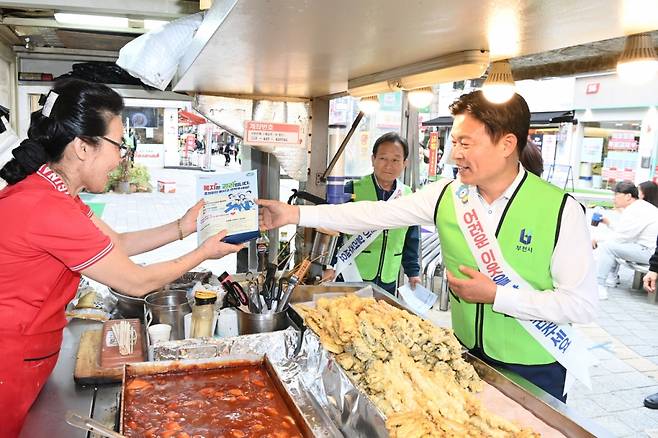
<point>433,145</point>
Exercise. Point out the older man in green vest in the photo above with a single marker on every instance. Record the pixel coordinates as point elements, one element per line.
<point>380,262</point>
<point>517,248</point>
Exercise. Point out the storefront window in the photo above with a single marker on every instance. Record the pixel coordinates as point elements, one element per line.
<point>610,152</point>
<point>147,123</point>
<point>343,111</point>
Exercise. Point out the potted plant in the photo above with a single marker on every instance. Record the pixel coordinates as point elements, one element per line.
<point>123,184</point>
<point>128,178</point>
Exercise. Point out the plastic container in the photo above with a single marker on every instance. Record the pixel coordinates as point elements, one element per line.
<point>227,323</point>
<point>203,314</point>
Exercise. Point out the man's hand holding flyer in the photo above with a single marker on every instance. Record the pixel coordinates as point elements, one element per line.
<point>230,205</point>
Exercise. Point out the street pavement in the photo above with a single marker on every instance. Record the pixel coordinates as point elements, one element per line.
<point>623,334</point>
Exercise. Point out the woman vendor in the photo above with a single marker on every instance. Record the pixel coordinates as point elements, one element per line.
<point>49,238</point>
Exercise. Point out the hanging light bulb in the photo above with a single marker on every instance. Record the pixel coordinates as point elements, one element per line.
<point>499,86</point>
<point>421,97</point>
<point>638,62</point>
<point>369,104</point>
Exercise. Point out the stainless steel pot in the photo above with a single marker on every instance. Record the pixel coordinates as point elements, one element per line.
<point>324,245</point>
<point>250,323</point>
<point>169,307</point>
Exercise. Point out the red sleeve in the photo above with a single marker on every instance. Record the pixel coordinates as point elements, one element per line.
<point>84,207</point>
<point>64,230</point>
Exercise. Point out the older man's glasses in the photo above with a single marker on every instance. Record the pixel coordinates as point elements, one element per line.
<point>123,148</point>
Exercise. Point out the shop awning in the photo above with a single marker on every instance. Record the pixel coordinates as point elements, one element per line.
<point>189,118</point>
<point>537,118</point>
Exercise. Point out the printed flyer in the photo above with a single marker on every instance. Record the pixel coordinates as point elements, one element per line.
<point>230,204</point>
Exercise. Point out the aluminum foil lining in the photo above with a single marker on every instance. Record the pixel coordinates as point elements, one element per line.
<point>326,397</point>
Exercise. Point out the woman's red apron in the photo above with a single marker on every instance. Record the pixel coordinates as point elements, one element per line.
<point>26,362</point>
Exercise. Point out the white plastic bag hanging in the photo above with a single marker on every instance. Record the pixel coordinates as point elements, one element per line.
<point>153,57</point>
<point>8,142</point>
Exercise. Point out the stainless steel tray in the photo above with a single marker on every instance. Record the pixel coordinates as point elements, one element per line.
<point>191,366</point>
<point>544,406</point>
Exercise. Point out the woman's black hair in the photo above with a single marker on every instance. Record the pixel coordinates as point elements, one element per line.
<point>82,109</point>
<point>531,158</point>
<point>650,192</point>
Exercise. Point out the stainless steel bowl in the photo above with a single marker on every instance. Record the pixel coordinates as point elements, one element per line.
<point>129,307</point>
<point>133,307</point>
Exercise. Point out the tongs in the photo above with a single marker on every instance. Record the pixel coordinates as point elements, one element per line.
<point>255,306</point>
<point>233,288</point>
<point>269,285</point>
<point>86,423</point>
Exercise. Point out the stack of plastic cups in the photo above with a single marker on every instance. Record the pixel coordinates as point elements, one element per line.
<point>585,177</point>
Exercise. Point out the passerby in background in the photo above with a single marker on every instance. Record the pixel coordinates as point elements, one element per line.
<point>131,143</point>
<point>648,191</point>
<point>227,154</point>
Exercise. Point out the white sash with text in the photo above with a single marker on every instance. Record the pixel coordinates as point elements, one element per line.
<point>356,244</point>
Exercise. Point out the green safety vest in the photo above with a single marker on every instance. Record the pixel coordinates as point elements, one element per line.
<point>527,236</point>
<point>383,257</point>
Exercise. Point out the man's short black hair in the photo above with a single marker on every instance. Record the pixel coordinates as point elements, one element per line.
<point>626,187</point>
<point>391,137</point>
<point>511,117</point>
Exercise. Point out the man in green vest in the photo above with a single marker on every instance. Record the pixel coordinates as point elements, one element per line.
<point>380,262</point>
<point>539,269</point>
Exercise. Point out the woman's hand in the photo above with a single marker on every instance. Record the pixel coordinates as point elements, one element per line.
<point>274,214</point>
<point>650,281</point>
<point>188,221</point>
<point>214,248</point>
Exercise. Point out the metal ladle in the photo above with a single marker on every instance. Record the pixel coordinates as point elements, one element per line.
<point>86,423</point>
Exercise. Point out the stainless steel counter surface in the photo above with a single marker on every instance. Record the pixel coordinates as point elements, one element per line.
<point>60,394</point>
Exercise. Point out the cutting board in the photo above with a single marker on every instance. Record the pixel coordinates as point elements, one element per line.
<point>87,362</point>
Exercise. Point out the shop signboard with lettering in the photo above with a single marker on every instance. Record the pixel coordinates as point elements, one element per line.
<point>434,148</point>
<point>271,134</point>
<point>592,150</point>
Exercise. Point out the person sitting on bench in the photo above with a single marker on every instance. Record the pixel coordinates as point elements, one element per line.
<point>633,234</point>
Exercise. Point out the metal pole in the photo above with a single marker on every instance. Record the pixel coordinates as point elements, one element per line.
<point>342,147</point>
<point>409,130</point>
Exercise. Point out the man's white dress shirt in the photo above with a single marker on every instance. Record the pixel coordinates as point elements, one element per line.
<point>574,297</point>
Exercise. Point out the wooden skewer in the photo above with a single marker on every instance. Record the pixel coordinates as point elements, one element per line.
<point>125,335</point>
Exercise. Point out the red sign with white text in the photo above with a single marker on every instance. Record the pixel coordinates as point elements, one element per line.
<point>592,88</point>
<point>271,134</point>
<point>434,149</point>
